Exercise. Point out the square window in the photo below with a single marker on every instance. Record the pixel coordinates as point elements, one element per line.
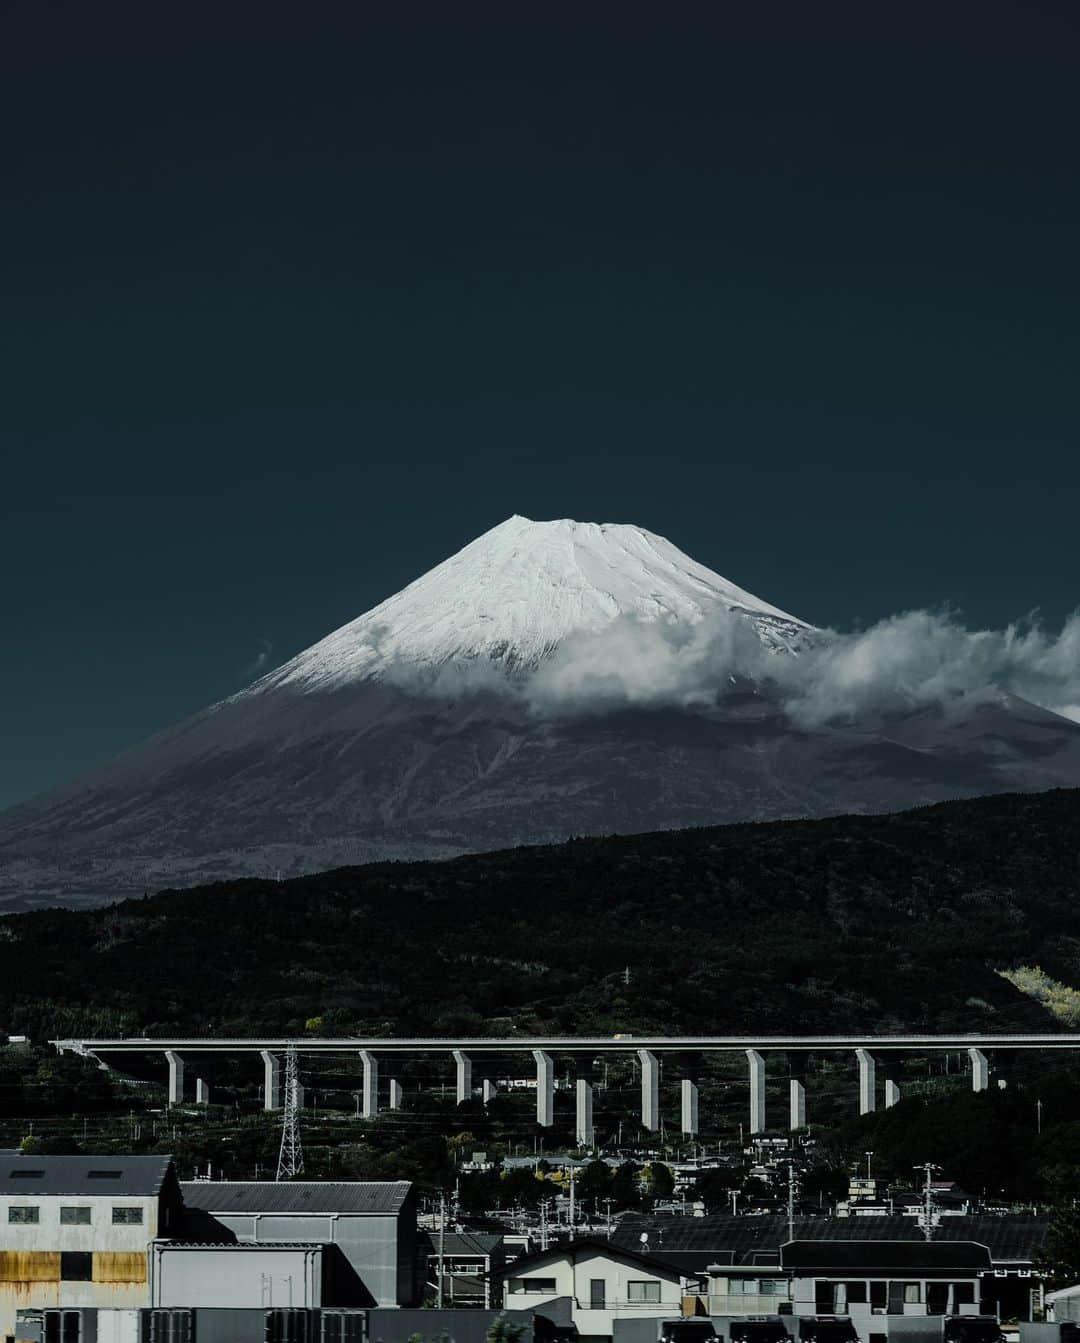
<point>856,1293</point>
<point>642,1291</point>
<point>127,1216</point>
<point>912,1293</point>
<point>76,1266</point>
<point>73,1216</point>
<point>24,1216</point>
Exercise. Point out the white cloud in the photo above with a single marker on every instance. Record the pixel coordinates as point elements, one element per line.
<point>903,663</point>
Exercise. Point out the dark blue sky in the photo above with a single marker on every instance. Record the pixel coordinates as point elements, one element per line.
<point>298,299</point>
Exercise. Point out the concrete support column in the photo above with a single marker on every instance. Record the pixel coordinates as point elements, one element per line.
<point>370,1091</point>
<point>585,1132</point>
<point>796,1104</point>
<point>397,1095</point>
<point>650,1090</point>
<point>867,1079</point>
<point>688,1106</point>
<point>202,1092</point>
<point>271,1080</point>
<point>980,1070</point>
<point>545,1088</point>
<point>489,1090</point>
<point>464,1076</point>
<point>757,1091</point>
<point>892,1092</point>
<point>176,1077</point>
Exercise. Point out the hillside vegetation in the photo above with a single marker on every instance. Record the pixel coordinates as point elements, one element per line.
<point>853,922</point>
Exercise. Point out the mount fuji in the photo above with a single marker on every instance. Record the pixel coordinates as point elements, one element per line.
<point>451,718</point>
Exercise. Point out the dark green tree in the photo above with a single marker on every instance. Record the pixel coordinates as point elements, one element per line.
<point>661,1180</point>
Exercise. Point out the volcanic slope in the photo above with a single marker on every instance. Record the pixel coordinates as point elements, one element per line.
<point>412,732</point>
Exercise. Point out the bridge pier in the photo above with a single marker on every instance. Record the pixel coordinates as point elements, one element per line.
<point>202,1092</point>
<point>464,1075</point>
<point>650,1090</point>
<point>689,1107</point>
<point>489,1090</point>
<point>271,1080</point>
<point>176,1077</point>
<point>585,1132</point>
<point>892,1084</point>
<point>396,1094</point>
<point>370,1091</point>
<point>867,1081</point>
<point>796,1104</point>
<point>980,1069</point>
<point>757,1091</point>
<point>545,1088</point>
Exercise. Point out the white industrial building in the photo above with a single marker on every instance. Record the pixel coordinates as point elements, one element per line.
<point>75,1229</point>
<point>370,1226</point>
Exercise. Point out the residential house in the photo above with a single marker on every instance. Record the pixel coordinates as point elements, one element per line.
<point>602,1282</point>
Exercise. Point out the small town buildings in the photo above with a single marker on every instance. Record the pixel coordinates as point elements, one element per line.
<point>602,1283</point>
<point>472,1265</point>
<point>74,1230</point>
<point>371,1225</point>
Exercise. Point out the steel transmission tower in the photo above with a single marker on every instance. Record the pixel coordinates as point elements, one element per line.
<point>291,1157</point>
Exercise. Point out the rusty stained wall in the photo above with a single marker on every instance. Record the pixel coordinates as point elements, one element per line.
<point>32,1278</point>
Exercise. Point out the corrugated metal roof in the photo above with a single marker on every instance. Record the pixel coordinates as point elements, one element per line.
<point>85,1176</point>
<point>296,1196</point>
<point>869,1255</point>
<point>466,1242</point>
<point>1015,1239</point>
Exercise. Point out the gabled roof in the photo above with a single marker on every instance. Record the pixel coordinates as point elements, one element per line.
<point>84,1176</point>
<point>357,1197</point>
<point>573,1250</point>
<point>872,1255</point>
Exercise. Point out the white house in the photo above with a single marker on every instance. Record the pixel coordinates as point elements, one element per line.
<point>602,1281</point>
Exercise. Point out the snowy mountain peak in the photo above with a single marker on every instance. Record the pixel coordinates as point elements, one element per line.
<point>517,592</point>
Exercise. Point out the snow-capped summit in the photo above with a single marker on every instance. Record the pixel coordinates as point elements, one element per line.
<point>517,592</point>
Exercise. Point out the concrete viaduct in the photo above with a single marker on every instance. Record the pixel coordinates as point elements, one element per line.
<point>870,1051</point>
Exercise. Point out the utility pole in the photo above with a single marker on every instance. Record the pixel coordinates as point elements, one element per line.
<point>573,1204</point>
<point>791,1200</point>
<point>928,1206</point>
<point>291,1156</point>
<point>442,1246</point>
<point>1038,1115</point>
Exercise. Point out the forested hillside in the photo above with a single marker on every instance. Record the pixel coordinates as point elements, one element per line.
<point>867,922</point>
